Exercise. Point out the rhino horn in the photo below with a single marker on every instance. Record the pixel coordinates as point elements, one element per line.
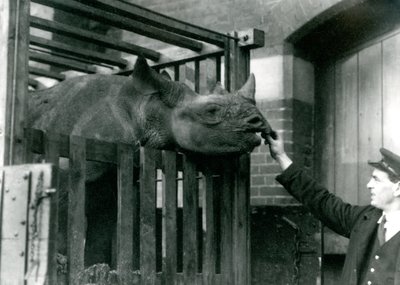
<point>148,81</point>
<point>218,89</point>
<point>248,89</point>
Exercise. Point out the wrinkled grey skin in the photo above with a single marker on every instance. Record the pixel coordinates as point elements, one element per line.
<point>144,108</point>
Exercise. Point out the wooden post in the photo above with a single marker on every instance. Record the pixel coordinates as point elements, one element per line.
<point>237,68</point>
<point>14,38</point>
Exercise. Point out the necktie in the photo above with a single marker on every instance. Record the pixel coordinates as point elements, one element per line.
<point>382,231</point>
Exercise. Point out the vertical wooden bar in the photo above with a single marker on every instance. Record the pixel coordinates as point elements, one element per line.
<point>238,73</point>
<point>169,224</point>
<point>209,258</point>
<point>14,220</point>
<point>190,206</point>
<point>41,250</point>
<point>125,213</point>
<point>14,41</point>
<point>52,155</point>
<point>228,184</point>
<point>241,221</point>
<point>197,76</point>
<point>148,217</point>
<point>76,208</point>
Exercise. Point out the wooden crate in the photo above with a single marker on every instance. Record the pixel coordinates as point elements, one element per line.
<point>213,245</point>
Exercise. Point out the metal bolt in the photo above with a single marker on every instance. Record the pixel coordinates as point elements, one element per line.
<point>23,223</point>
<point>246,37</point>
<point>26,176</point>
<point>14,198</point>
<point>50,191</point>
<point>22,253</point>
<point>15,234</point>
<point>7,190</point>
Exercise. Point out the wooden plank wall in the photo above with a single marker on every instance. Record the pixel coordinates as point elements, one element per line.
<point>357,107</point>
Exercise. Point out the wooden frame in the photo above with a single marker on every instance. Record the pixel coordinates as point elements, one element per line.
<point>199,58</point>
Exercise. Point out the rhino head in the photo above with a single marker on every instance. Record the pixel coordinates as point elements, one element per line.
<point>216,123</point>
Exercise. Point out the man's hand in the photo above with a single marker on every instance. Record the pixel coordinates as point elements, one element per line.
<point>276,148</point>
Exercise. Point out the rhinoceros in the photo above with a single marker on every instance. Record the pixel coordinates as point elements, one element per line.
<point>147,109</point>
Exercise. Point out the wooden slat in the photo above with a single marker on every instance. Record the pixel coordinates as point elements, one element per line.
<point>46,73</point>
<point>125,213</point>
<point>210,246</point>
<point>197,76</point>
<point>228,184</point>
<point>346,145</point>
<point>241,222</point>
<point>60,62</point>
<point>369,115</point>
<point>78,52</point>
<point>32,82</point>
<point>52,155</point>
<point>76,208</point>
<point>14,222</point>
<point>147,217</point>
<point>160,21</point>
<point>41,249</point>
<point>169,224</point>
<point>391,98</point>
<point>13,79</point>
<point>84,35</point>
<point>121,22</point>
<point>190,206</point>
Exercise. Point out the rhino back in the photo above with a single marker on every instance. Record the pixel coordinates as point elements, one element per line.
<point>63,107</point>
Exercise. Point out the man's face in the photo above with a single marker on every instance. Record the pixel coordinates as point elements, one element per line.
<point>383,191</point>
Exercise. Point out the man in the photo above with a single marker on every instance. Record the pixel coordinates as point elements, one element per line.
<point>373,255</point>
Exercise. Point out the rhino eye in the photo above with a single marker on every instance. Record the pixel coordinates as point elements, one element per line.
<point>212,110</point>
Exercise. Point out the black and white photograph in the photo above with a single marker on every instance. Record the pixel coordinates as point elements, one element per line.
<point>199,142</point>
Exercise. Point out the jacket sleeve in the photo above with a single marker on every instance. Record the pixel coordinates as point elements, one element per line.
<point>331,210</point>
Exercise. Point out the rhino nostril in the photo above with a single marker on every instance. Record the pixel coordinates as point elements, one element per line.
<point>255,121</point>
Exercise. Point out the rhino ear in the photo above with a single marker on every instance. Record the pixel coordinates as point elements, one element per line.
<point>248,89</point>
<point>218,89</point>
<point>149,82</point>
<point>166,75</point>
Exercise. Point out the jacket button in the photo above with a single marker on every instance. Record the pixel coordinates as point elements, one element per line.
<point>372,269</point>
<point>376,257</point>
<point>369,282</point>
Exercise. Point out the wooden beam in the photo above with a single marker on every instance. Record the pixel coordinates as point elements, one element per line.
<point>46,73</point>
<point>60,62</point>
<point>251,38</point>
<point>160,21</point>
<point>13,79</point>
<point>95,38</point>
<point>32,82</point>
<point>78,52</point>
<point>121,22</point>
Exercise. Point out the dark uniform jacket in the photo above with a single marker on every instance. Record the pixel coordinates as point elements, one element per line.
<point>366,261</point>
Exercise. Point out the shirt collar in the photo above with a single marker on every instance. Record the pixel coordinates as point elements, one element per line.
<point>390,217</point>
